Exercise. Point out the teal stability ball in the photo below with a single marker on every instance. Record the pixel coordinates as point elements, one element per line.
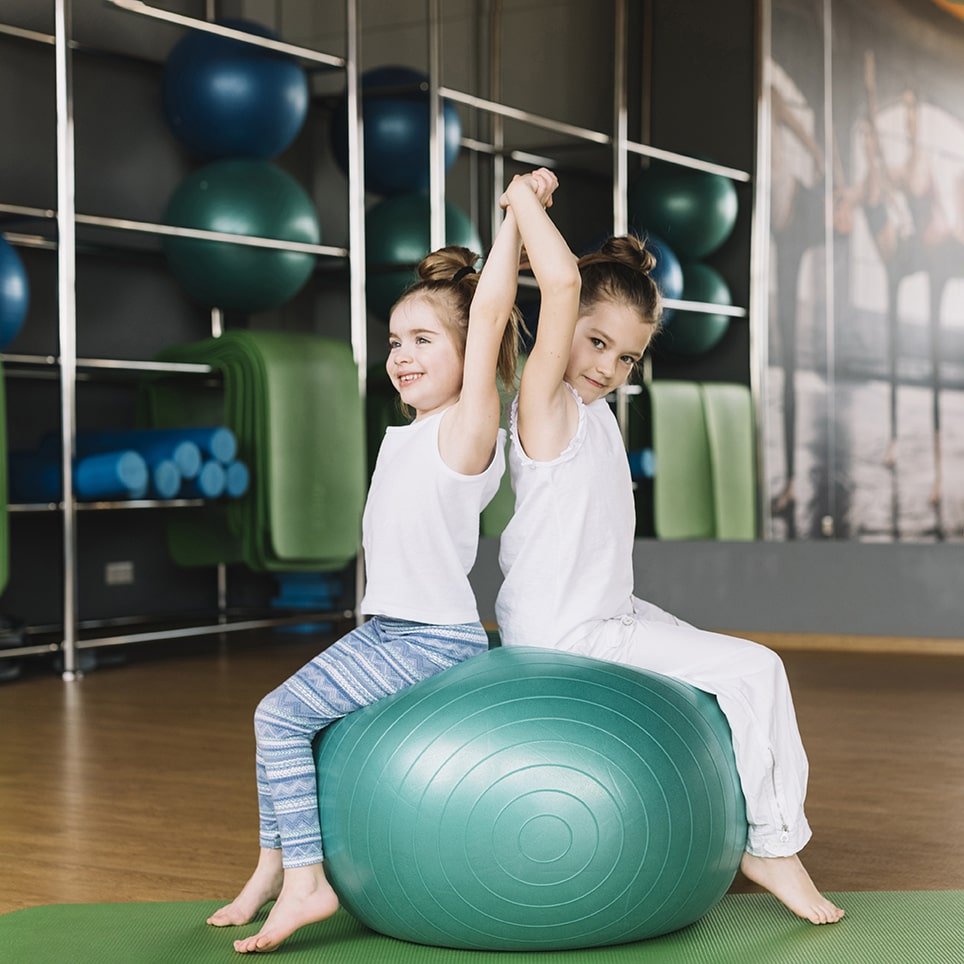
<point>697,332</point>
<point>529,799</point>
<point>398,233</point>
<point>248,197</point>
<point>692,211</point>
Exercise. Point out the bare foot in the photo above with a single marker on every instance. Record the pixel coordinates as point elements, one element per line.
<point>306,897</point>
<point>263,885</point>
<point>787,879</point>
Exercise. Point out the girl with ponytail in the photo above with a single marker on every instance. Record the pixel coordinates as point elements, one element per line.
<point>450,334</point>
<point>567,553</point>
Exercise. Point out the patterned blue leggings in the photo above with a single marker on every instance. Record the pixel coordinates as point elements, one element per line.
<point>375,660</point>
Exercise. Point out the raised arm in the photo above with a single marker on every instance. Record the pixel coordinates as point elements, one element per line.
<point>547,411</point>
<point>468,435</point>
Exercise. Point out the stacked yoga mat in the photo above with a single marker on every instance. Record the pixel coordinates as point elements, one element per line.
<point>293,403</point>
<point>703,465</point>
<point>135,464</point>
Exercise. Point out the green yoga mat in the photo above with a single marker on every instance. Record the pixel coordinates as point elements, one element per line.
<point>728,411</point>
<point>921,927</point>
<point>293,402</point>
<point>682,490</point>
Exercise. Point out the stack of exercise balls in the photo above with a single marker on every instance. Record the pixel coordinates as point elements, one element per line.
<point>238,105</point>
<point>688,214</point>
<point>395,111</point>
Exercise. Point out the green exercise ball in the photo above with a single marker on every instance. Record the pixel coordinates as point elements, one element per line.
<point>694,212</point>
<point>241,196</point>
<point>529,799</point>
<point>398,232</point>
<point>696,332</point>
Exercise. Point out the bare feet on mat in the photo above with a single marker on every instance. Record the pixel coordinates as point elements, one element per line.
<point>306,897</point>
<point>263,885</point>
<point>787,879</point>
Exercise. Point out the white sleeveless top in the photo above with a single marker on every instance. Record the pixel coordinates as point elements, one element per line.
<point>567,553</point>
<point>420,528</point>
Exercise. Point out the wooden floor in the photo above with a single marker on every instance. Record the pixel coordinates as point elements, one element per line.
<point>137,782</point>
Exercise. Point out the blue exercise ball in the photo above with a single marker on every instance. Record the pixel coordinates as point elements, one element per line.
<point>245,197</point>
<point>697,332</point>
<point>226,98</point>
<point>14,293</point>
<point>529,799</point>
<point>694,211</point>
<point>668,273</point>
<point>396,128</point>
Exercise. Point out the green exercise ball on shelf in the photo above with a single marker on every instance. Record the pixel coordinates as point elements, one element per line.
<point>696,332</point>
<point>692,211</point>
<point>529,799</point>
<point>249,197</point>
<point>398,232</point>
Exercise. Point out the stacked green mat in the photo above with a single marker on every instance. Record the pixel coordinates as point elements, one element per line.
<point>703,441</point>
<point>4,524</point>
<point>292,400</point>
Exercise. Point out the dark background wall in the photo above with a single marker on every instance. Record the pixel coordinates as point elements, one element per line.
<point>557,59</point>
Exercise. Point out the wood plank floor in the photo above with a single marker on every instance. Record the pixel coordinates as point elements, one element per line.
<point>137,782</point>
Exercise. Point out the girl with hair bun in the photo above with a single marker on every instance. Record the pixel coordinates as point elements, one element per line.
<point>567,553</point>
<point>450,334</point>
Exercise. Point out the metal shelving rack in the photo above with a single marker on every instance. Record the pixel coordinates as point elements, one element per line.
<point>69,368</point>
<point>618,141</point>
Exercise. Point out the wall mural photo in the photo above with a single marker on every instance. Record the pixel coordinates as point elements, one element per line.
<point>864,390</point>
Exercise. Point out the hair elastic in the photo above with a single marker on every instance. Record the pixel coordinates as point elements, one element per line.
<point>462,272</point>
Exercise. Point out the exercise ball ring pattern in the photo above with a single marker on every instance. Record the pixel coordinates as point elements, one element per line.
<point>531,800</point>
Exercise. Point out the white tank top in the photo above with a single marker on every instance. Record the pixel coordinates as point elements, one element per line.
<point>420,529</point>
<point>567,553</point>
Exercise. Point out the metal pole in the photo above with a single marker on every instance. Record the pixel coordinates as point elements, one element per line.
<point>620,166</point>
<point>760,261</point>
<point>497,124</point>
<point>67,318</point>
<point>436,128</point>
<point>356,231</point>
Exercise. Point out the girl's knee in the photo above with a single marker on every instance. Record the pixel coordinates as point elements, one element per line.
<point>266,712</point>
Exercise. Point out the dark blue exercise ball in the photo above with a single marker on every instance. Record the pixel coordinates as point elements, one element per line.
<point>14,293</point>
<point>225,98</point>
<point>668,273</point>
<point>396,126</point>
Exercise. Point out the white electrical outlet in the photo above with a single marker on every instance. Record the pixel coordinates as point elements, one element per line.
<point>119,573</point>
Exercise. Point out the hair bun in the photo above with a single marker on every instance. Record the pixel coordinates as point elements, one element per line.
<point>442,265</point>
<point>630,250</point>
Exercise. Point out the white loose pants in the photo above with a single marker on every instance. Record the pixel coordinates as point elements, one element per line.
<point>750,685</point>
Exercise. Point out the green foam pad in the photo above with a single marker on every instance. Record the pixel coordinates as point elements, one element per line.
<point>293,402</point>
<point>682,490</point>
<point>920,927</point>
<point>728,410</point>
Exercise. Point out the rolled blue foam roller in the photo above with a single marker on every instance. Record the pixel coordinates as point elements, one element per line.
<point>529,799</point>
<point>164,481</point>
<point>642,464</point>
<point>238,478</point>
<point>209,483</point>
<point>110,474</point>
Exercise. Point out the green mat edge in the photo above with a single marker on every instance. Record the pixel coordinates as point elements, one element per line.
<point>927,928</point>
